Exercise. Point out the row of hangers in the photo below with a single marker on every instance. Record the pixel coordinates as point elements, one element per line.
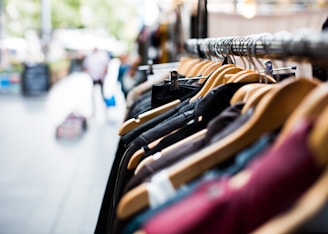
<point>215,73</point>
<point>298,46</point>
<point>277,104</point>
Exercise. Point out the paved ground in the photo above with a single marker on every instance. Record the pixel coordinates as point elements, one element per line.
<point>48,186</point>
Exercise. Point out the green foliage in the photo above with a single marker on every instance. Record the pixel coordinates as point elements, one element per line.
<point>114,16</point>
<point>65,13</point>
<point>21,16</point>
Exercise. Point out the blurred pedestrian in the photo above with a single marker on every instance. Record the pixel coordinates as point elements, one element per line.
<point>95,65</point>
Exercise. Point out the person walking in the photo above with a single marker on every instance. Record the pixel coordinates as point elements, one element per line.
<point>95,65</point>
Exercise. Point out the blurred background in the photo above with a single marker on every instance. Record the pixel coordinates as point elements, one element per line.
<point>53,186</point>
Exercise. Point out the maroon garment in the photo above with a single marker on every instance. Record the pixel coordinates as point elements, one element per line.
<point>277,179</point>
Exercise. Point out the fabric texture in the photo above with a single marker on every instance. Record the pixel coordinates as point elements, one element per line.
<point>217,124</point>
<point>239,163</point>
<point>276,180</point>
<point>208,107</point>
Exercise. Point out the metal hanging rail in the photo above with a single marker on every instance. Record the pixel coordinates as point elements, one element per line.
<point>301,46</point>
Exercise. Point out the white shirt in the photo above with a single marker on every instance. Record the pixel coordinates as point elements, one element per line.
<point>96,64</point>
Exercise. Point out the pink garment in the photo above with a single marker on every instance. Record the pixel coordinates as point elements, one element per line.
<point>278,178</point>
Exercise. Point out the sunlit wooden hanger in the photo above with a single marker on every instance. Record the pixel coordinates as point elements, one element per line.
<point>204,68</point>
<point>216,79</point>
<point>219,78</point>
<point>319,137</point>
<point>212,81</point>
<point>135,158</point>
<point>269,114</point>
<point>209,82</point>
<point>208,70</point>
<point>186,64</point>
<point>256,97</point>
<point>256,94</point>
<point>183,68</point>
<point>252,76</point>
<point>196,68</point>
<point>310,108</point>
<point>133,162</point>
<point>244,92</point>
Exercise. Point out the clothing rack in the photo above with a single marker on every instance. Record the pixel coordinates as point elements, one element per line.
<point>299,46</point>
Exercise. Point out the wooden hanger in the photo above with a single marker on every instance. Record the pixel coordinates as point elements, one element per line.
<point>314,106</point>
<point>252,76</point>
<point>135,158</point>
<point>132,123</point>
<point>244,92</point>
<point>257,96</point>
<point>310,108</point>
<point>187,65</point>
<point>195,70</point>
<point>209,70</point>
<point>232,76</point>
<point>183,63</point>
<point>219,77</point>
<point>319,137</point>
<point>143,163</point>
<point>209,82</point>
<point>269,114</point>
<point>134,161</point>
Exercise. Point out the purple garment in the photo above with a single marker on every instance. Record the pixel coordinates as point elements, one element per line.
<point>277,179</point>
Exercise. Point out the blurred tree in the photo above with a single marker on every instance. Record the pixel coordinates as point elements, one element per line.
<point>20,16</point>
<point>66,13</point>
<point>115,16</point>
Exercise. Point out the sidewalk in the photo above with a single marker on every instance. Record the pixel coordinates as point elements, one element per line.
<point>49,186</point>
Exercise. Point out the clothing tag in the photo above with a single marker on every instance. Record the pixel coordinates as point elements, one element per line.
<point>160,189</point>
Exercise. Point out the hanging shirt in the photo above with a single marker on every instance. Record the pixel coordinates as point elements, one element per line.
<point>241,161</point>
<point>276,180</point>
<point>96,64</point>
<point>217,124</point>
<point>211,105</point>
